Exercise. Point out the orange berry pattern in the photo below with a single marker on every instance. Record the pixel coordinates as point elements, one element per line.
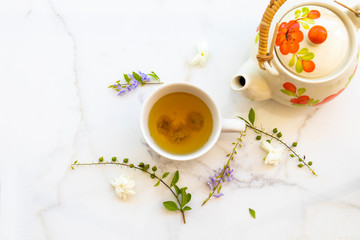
<point>289,37</point>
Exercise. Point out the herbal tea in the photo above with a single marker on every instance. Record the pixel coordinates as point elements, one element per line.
<point>180,123</point>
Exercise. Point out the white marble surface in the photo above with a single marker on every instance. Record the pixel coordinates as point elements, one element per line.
<point>57,59</point>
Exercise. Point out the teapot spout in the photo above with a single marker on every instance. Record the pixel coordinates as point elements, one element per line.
<point>249,80</point>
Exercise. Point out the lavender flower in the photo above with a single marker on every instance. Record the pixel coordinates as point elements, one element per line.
<point>223,175</point>
<point>135,84</point>
<point>133,80</point>
<point>144,76</point>
<point>122,92</point>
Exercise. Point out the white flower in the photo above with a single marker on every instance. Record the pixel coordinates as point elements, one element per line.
<point>202,55</point>
<point>123,186</point>
<point>274,154</point>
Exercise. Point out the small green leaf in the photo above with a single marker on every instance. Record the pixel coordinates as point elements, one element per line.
<point>126,160</point>
<point>294,144</point>
<point>187,208</point>
<point>275,130</point>
<point>252,212</point>
<point>183,197</point>
<point>297,13</point>
<point>177,190</point>
<point>308,57</point>
<point>304,24</point>
<point>101,159</point>
<point>257,38</point>
<point>299,66</point>
<point>113,159</point>
<point>137,77</point>
<point>245,120</point>
<point>301,91</point>
<point>175,178</point>
<point>152,74</point>
<point>303,51</point>
<point>127,79</point>
<point>300,165</point>
<point>310,163</point>
<point>154,168</point>
<point>251,116</point>
<point>289,93</point>
<point>311,101</point>
<point>292,61</point>
<point>170,205</point>
<point>188,197</point>
<point>309,20</point>
<point>165,175</point>
<point>305,11</point>
<point>258,137</point>
<point>157,184</point>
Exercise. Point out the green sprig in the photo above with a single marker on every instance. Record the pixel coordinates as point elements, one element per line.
<point>276,135</point>
<point>181,196</point>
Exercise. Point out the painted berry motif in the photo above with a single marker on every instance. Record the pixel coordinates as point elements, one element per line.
<point>290,36</point>
<point>317,34</point>
<point>299,99</point>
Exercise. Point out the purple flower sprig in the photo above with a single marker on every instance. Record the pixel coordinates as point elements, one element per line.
<point>225,174</point>
<point>133,80</point>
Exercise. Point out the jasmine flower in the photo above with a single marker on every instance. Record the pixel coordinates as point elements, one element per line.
<point>202,56</point>
<point>274,154</point>
<point>123,186</point>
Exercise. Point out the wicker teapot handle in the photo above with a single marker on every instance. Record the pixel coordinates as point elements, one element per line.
<point>263,55</point>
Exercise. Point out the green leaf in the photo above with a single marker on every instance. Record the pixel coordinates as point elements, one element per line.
<point>245,120</point>
<point>308,57</point>
<point>299,66</point>
<point>152,74</point>
<point>287,92</point>
<point>311,101</point>
<point>297,13</point>
<point>305,11</point>
<point>157,184</point>
<point>251,116</point>
<point>127,79</point>
<point>303,51</point>
<point>183,197</point>
<point>137,77</point>
<point>170,205</point>
<point>175,178</point>
<point>309,20</point>
<point>301,91</point>
<point>292,61</point>
<point>177,190</point>
<point>257,38</point>
<point>252,212</point>
<point>165,175</point>
<point>304,25</point>
<point>187,208</point>
<point>188,198</point>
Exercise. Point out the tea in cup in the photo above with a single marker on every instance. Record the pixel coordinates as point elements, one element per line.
<point>180,121</point>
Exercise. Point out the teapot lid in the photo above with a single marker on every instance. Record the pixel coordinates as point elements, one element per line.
<point>312,42</point>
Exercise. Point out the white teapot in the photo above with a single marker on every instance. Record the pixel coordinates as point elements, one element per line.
<point>312,58</point>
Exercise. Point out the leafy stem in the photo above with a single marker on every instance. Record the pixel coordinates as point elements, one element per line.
<point>283,143</point>
<point>182,198</point>
<point>226,171</point>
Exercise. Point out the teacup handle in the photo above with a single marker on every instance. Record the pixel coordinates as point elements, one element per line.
<point>232,125</point>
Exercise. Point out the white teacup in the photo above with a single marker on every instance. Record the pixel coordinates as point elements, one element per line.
<point>219,124</point>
